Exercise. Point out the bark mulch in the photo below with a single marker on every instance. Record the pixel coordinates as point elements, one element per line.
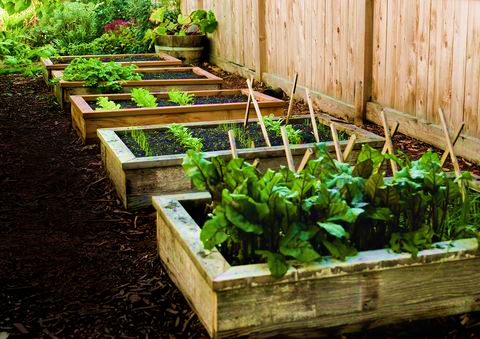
<point>73,262</point>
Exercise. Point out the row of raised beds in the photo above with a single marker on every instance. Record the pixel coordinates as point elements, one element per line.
<point>321,265</point>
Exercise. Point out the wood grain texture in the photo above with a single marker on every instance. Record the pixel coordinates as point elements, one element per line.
<point>371,289</point>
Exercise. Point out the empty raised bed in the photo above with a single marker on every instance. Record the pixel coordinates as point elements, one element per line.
<point>206,106</point>
<point>154,79</point>
<point>137,179</point>
<point>140,60</point>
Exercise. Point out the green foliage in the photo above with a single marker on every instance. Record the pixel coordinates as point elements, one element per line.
<point>110,10</point>
<point>142,141</point>
<point>330,208</point>
<point>184,136</point>
<point>103,75</point>
<point>103,104</point>
<point>15,6</point>
<point>274,125</point>
<point>143,98</point>
<point>66,23</point>
<point>179,97</point>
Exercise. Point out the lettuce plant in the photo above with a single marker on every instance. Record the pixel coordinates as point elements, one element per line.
<point>103,104</point>
<point>179,97</point>
<point>183,135</point>
<point>143,98</point>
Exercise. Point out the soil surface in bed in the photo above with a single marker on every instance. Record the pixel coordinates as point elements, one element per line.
<point>74,263</point>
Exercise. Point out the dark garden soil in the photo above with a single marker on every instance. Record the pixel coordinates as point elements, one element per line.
<point>172,75</point>
<point>73,262</point>
<point>119,59</point>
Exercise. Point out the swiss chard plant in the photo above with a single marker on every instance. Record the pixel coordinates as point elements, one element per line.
<point>106,76</point>
<point>143,98</point>
<point>330,208</point>
<point>274,125</point>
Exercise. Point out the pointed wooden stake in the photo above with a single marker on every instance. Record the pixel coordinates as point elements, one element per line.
<point>305,158</point>
<point>388,141</point>
<point>336,143</point>
<point>286,145</point>
<point>348,149</point>
<point>455,138</point>
<point>392,134</point>
<point>312,116</point>
<point>247,111</point>
<point>259,114</point>
<point>291,98</point>
<point>233,147</point>
<point>456,166</point>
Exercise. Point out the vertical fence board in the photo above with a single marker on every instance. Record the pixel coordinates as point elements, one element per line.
<point>423,38</point>
<point>391,53</point>
<point>379,51</point>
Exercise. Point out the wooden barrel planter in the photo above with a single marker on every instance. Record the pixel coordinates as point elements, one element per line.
<point>86,120</point>
<point>200,80</point>
<point>149,60</point>
<point>137,179</point>
<point>187,48</point>
<point>323,298</point>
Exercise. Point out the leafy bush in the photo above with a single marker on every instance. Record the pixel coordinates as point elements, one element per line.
<point>103,75</point>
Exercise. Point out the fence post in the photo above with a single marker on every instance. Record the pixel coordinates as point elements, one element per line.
<point>259,52</point>
<point>363,58</point>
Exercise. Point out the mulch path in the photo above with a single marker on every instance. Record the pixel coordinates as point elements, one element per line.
<point>73,262</point>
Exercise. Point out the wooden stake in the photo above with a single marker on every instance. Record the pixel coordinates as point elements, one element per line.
<point>348,149</point>
<point>233,147</point>
<point>247,111</point>
<point>312,116</point>
<point>456,166</point>
<point>259,114</point>
<point>388,141</point>
<point>305,158</point>
<point>286,145</point>
<point>336,143</point>
<point>291,98</point>
<point>455,138</point>
<point>392,134</point>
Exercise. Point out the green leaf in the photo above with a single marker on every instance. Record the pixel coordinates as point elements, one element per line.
<point>243,212</point>
<point>276,263</point>
<point>213,231</point>
<point>201,171</point>
<point>296,245</point>
<point>373,186</point>
<point>363,169</point>
<point>334,229</point>
<point>339,249</point>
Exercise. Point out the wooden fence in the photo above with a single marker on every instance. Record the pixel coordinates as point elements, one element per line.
<point>409,57</point>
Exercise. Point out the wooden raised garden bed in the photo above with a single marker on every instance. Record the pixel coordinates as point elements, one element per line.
<point>191,79</point>
<point>140,60</point>
<point>137,179</point>
<point>86,120</point>
<point>327,297</point>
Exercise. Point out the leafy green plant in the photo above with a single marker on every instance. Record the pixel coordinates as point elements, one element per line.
<point>273,125</point>
<point>179,97</point>
<point>330,208</point>
<point>142,141</point>
<point>103,104</point>
<point>173,22</point>
<point>15,6</point>
<point>143,98</point>
<point>95,73</point>
<point>183,135</point>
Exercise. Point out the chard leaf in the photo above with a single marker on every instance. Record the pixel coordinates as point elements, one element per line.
<point>213,231</point>
<point>201,171</point>
<point>363,169</point>
<point>372,154</point>
<point>339,249</point>
<point>334,229</point>
<point>373,186</point>
<point>243,212</point>
<point>276,263</point>
<point>296,244</point>
<point>379,213</point>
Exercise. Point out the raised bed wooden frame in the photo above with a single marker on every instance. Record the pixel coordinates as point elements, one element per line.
<point>159,60</point>
<point>138,179</point>
<point>325,298</point>
<point>86,121</point>
<point>64,89</point>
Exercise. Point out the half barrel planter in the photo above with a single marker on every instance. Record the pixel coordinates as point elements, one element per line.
<point>192,79</point>
<point>324,298</point>
<point>137,179</point>
<point>149,60</point>
<point>86,120</point>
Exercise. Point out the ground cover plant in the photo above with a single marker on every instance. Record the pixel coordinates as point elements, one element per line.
<point>214,139</point>
<point>330,208</point>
